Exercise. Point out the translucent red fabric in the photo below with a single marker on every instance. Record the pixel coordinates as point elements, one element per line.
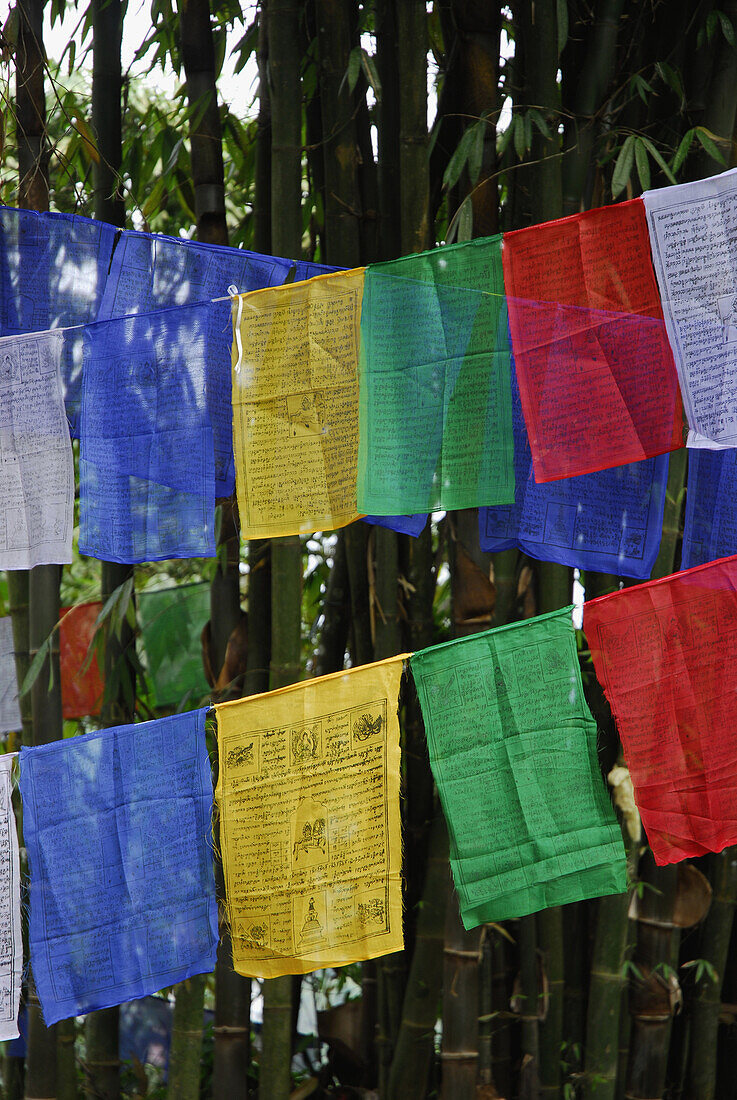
<point>666,654</point>
<point>596,374</point>
<point>81,691</point>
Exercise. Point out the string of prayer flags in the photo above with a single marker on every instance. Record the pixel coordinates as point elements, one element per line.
<point>710,526</point>
<point>11,941</point>
<point>36,463</point>
<point>146,467</point>
<point>10,721</point>
<point>691,233</point>
<point>595,370</point>
<point>665,653</point>
<point>436,417</point>
<point>176,670</point>
<point>513,750</point>
<point>295,405</point>
<point>308,793</point>
<point>610,521</point>
<point>114,917</point>
<point>82,684</point>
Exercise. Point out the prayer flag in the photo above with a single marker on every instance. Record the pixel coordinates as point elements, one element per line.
<point>53,269</point>
<point>693,247</point>
<point>308,793</point>
<point>118,828</point>
<point>10,721</point>
<point>175,614</point>
<point>11,941</point>
<point>146,466</point>
<point>82,688</point>
<point>295,405</point>
<point>513,751</point>
<point>610,521</point>
<point>436,415</point>
<point>665,653</point>
<point>403,525</point>
<point>36,463</point>
<point>596,375</point>
<point>710,529</point>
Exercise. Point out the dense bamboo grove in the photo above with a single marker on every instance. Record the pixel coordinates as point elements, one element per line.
<point>536,110</point>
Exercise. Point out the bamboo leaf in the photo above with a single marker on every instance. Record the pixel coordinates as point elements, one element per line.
<point>623,166</point>
<point>88,142</point>
<point>643,164</point>
<point>658,158</point>
<point>562,17</point>
<point>727,27</point>
<point>683,148</point>
<point>711,24</point>
<point>476,152</point>
<point>541,124</point>
<point>458,160</point>
<point>36,665</point>
<point>709,144</point>
<point>671,77</point>
<point>352,72</point>
<point>371,73</point>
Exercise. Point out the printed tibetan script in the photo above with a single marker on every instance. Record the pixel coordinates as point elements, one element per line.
<point>11,941</point>
<point>309,822</point>
<point>36,465</point>
<point>693,234</point>
<point>295,405</point>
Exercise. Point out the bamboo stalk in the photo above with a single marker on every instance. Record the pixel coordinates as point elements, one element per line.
<point>714,945</point>
<point>550,939</point>
<point>186,1040</point>
<point>66,1068</point>
<point>605,999</point>
<point>18,605</point>
<point>411,1068</point>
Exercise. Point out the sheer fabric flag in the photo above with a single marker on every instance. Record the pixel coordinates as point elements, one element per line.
<point>175,613</point>
<point>710,528</point>
<point>295,405</point>
<point>82,685</point>
<point>117,824</point>
<point>36,464</point>
<point>147,478</point>
<point>403,525</point>
<point>308,793</point>
<point>53,269</point>
<point>151,272</point>
<point>595,370</point>
<point>665,653</point>
<point>610,521</point>
<point>11,941</point>
<point>513,751</point>
<point>436,416</point>
<point>694,242</point>
<point>10,720</point>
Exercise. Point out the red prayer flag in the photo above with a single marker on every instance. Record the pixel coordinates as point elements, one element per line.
<point>596,374</point>
<point>666,654</point>
<point>81,692</point>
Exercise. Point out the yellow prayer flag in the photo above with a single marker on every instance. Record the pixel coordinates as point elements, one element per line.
<point>295,405</point>
<point>308,793</point>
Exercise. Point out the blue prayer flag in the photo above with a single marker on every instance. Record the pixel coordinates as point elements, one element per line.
<point>610,521</point>
<point>151,272</point>
<point>152,422</point>
<point>117,824</point>
<point>403,525</point>
<point>710,530</point>
<point>53,269</point>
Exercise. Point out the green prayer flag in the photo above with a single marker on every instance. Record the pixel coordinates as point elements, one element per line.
<point>513,751</point>
<point>435,427</point>
<point>171,623</point>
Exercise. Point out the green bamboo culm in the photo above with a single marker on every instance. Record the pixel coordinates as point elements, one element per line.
<point>18,605</point>
<point>186,1039</point>
<point>411,1068</point>
<point>605,998</point>
<point>714,941</point>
